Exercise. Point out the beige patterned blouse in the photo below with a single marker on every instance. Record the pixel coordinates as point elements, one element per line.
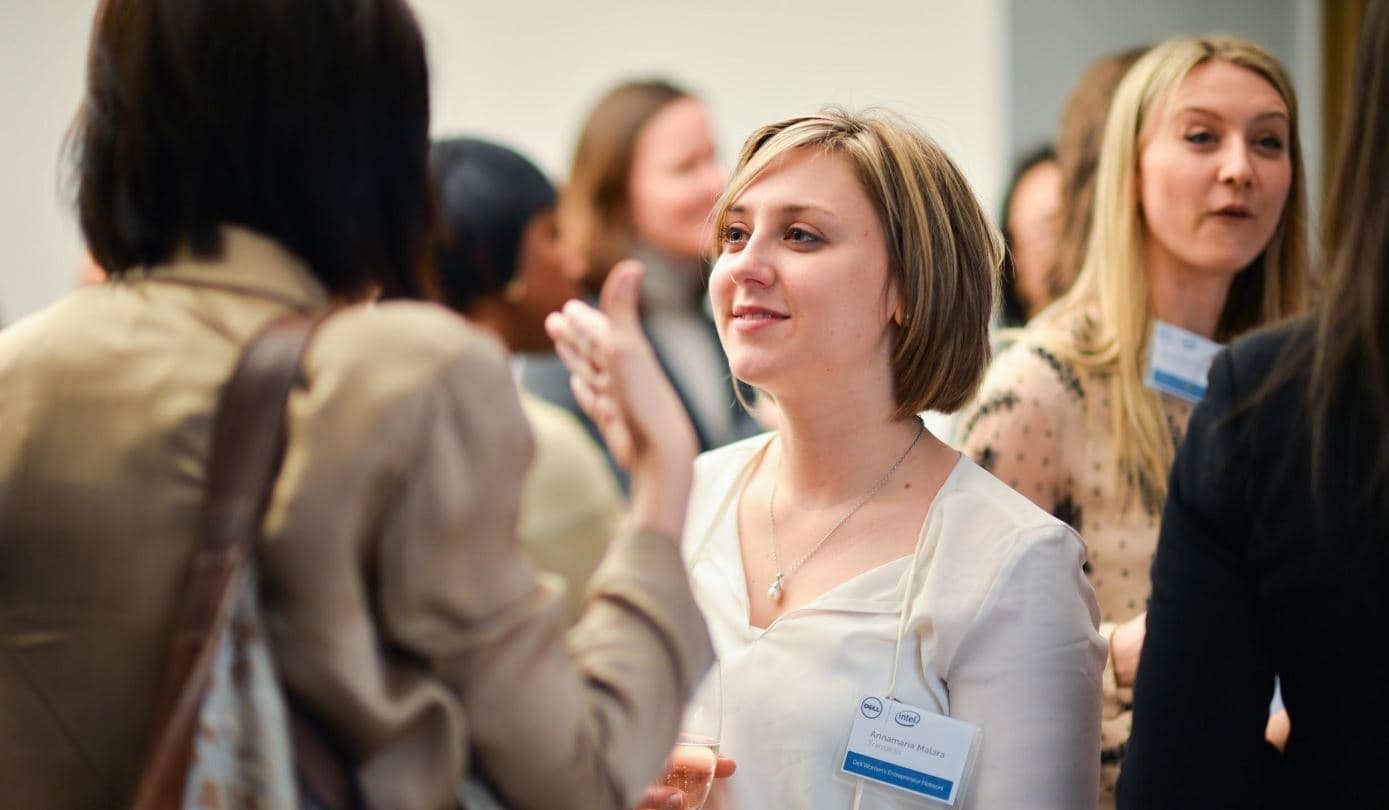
<point>1042,425</point>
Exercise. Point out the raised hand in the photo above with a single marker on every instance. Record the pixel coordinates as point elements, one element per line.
<point>620,385</point>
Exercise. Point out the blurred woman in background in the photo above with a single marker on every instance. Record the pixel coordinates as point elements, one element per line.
<point>642,185</point>
<point>1031,225</point>
<point>502,263</point>
<point>1078,139</point>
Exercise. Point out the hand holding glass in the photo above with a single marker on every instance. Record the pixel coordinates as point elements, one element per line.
<point>690,767</point>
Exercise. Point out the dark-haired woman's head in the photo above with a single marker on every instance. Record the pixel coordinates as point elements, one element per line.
<point>306,122</point>
<point>500,258</point>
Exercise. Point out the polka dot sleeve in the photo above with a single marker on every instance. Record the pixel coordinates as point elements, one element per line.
<point>1014,427</point>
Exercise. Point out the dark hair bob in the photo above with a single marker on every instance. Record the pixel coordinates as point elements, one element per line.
<point>305,121</point>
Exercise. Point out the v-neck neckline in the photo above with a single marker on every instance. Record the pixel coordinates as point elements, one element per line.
<point>728,510</point>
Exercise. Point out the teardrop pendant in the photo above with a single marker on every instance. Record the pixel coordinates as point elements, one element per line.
<point>774,593</point>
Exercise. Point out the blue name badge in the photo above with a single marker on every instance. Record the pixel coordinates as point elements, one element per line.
<point>911,749</point>
<point>1179,361</point>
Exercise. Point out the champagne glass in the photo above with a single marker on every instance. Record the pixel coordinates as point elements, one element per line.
<point>690,767</point>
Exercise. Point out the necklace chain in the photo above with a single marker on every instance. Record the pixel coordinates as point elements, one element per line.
<point>777,589</point>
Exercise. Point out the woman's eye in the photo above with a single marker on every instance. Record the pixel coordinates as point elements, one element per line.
<point>1272,143</point>
<point>801,235</point>
<point>733,234</point>
<point>1200,137</point>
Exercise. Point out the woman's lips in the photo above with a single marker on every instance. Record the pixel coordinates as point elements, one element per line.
<point>754,318</point>
<point>1235,212</point>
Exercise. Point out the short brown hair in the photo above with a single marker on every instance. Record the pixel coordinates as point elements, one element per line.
<point>594,205</point>
<point>306,122</point>
<point>943,252</point>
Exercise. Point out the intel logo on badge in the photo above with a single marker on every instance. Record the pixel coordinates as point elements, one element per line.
<point>871,708</point>
<point>907,719</point>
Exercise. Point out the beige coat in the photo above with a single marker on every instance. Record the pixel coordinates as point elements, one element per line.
<point>570,504</point>
<point>400,607</point>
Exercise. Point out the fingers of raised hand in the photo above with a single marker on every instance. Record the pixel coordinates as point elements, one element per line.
<point>606,414</point>
<point>588,325</point>
<point>659,797</point>
<point>577,326</point>
<point>724,767</point>
<point>583,338</point>
<point>619,295</point>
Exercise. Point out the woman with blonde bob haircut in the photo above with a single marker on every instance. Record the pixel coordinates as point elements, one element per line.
<point>855,277</point>
<point>1199,223</point>
<point>936,238</point>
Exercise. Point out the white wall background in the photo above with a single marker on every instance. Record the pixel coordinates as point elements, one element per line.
<point>982,76</point>
<point>526,71</point>
<point>42,49</point>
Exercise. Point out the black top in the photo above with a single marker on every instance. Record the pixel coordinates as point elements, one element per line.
<point>1259,574</point>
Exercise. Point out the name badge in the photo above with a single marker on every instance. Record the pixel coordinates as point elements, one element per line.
<point>1179,362</point>
<point>911,749</point>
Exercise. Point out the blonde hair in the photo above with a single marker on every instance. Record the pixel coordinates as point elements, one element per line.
<point>1113,282</point>
<point>1078,155</point>
<point>943,252</point>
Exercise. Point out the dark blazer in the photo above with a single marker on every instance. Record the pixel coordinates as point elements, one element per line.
<point>1258,574</point>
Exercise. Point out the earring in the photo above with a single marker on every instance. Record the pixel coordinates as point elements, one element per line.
<point>514,291</point>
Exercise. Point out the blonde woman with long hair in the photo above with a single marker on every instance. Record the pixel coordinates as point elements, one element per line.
<point>1198,224</point>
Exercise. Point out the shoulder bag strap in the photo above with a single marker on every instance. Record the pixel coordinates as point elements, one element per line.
<point>248,440</point>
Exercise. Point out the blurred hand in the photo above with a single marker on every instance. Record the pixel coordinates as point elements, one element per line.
<point>620,385</point>
<point>661,797</point>
<point>1125,646</point>
<point>1278,728</point>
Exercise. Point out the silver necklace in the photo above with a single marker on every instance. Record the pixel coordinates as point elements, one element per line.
<point>778,589</point>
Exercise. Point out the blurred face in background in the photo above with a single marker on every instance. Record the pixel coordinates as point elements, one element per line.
<point>1214,170</point>
<point>675,179</point>
<point>547,275</point>
<point>1034,228</point>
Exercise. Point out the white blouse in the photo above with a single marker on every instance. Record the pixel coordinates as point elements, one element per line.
<point>1000,631</point>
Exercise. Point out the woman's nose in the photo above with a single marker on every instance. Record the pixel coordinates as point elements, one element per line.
<point>1235,165</point>
<point>751,265</point>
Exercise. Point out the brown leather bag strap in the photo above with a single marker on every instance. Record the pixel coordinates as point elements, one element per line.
<point>248,440</point>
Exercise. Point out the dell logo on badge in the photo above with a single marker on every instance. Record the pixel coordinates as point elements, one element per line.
<point>907,719</point>
<point>871,707</point>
